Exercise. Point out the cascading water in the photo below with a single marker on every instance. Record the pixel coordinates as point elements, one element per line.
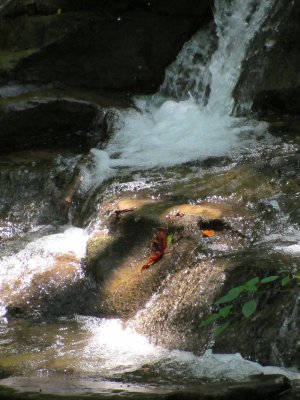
<point>168,132</point>
<point>163,133</point>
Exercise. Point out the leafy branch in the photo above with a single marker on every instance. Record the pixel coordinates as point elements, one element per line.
<point>249,307</point>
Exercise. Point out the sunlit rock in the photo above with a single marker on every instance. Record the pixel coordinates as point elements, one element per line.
<point>45,277</point>
<point>116,256</point>
<point>49,292</point>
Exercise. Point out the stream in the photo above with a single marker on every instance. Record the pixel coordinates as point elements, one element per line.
<point>185,143</point>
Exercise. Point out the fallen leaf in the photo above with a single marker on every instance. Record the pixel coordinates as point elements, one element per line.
<point>159,245</point>
<point>118,213</point>
<point>208,232</point>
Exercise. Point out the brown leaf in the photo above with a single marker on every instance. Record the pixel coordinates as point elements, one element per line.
<point>159,245</point>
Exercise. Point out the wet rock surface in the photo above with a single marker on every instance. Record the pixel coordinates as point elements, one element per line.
<point>270,71</point>
<point>55,119</point>
<point>258,388</point>
<point>273,328</point>
<point>122,46</point>
<point>116,258</point>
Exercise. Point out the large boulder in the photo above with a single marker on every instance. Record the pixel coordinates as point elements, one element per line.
<point>55,119</point>
<point>114,46</point>
<point>270,72</point>
<point>116,257</point>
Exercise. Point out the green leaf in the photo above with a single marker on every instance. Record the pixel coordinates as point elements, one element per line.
<point>285,280</point>
<point>252,282</point>
<point>210,319</point>
<point>220,329</point>
<point>296,276</point>
<point>170,238</point>
<point>224,312</point>
<point>251,285</point>
<point>249,308</point>
<point>269,279</point>
<point>231,295</point>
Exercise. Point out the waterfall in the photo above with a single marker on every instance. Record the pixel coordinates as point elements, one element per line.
<point>209,65</point>
<point>237,23</point>
<point>189,120</point>
<point>166,132</point>
<point>189,75</point>
<point>170,131</point>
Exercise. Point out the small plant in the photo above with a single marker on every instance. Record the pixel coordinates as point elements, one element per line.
<point>249,307</point>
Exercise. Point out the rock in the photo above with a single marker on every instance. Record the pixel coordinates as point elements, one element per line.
<point>182,301</point>
<point>51,292</point>
<point>259,387</point>
<point>116,255</point>
<point>270,335</point>
<point>278,101</point>
<point>25,202</point>
<point>120,46</point>
<point>270,72</point>
<point>53,119</point>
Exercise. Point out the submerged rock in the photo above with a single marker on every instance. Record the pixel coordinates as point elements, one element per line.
<point>259,387</point>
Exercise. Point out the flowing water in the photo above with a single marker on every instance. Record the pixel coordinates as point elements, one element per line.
<point>189,145</point>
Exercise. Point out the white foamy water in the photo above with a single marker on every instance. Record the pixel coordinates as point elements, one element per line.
<point>18,271</point>
<point>114,349</point>
<point>169,132</point>
<point>286,241</point>
<point>172,134</point>
<point>237,23</point>
<point>111,356</point>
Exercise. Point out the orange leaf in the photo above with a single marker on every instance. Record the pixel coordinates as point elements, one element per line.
<point>208,232</point>
<point>159,246</point>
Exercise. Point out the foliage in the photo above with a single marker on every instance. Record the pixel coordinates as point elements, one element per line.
<point>248,290</point>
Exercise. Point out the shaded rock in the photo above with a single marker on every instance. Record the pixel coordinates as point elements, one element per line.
<point>25,203</point>
<point>278,101</point>
<point>269,76</point>
<point>122,46</point>
<point>53,119</point>
<point>270,335</point>
<point>259,387</point>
